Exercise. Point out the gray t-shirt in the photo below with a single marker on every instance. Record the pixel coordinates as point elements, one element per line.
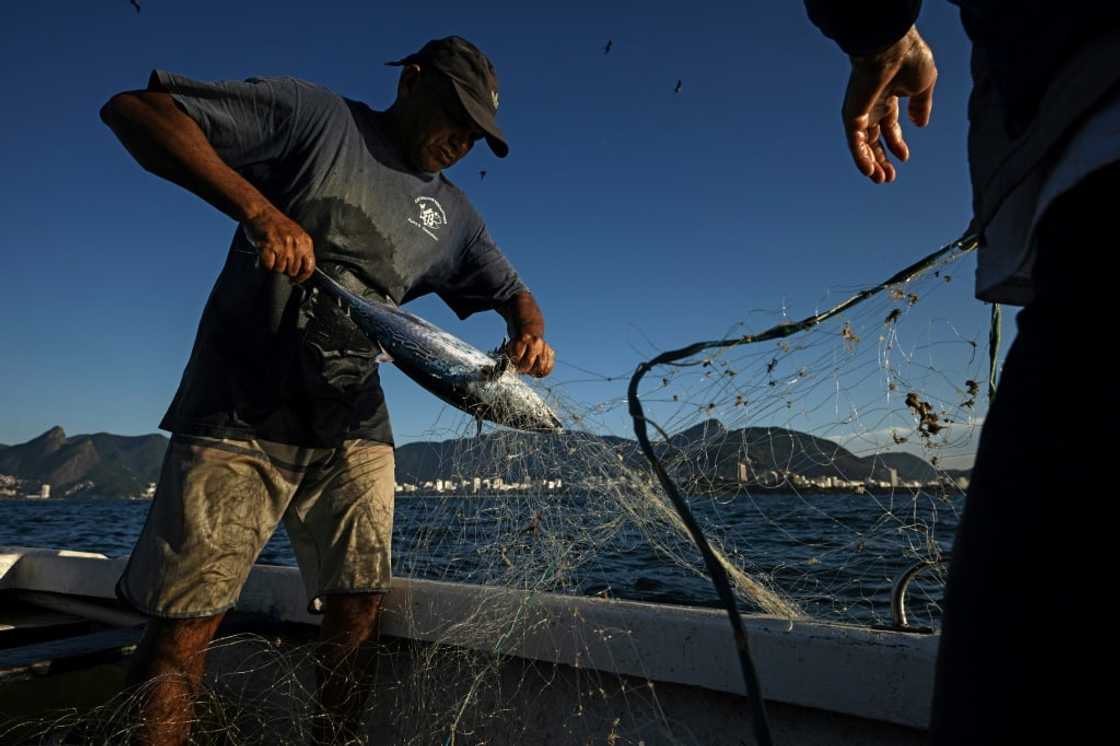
<point>272,360</point>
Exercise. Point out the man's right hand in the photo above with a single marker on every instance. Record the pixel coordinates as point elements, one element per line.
<point>284,246</point>
<point>870,112</point>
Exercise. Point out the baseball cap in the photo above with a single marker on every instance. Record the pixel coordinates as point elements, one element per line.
<point>472,76</point>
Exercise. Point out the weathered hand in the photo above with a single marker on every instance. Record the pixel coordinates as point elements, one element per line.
<point>906,68</point>
<point>531,354</point>
<point>283,245</point>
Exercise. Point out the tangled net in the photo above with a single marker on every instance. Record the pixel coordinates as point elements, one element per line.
<point>821,459</point>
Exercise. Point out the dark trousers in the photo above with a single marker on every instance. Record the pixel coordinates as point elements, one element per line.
<point>1025,638</point>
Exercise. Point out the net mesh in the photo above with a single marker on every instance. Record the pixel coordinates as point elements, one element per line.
<point>820,466</point>
<point>822,458</point>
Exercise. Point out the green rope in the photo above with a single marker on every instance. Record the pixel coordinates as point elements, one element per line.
<point>718,575</point>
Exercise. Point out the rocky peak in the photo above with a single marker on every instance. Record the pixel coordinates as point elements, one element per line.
<point>51,440</point>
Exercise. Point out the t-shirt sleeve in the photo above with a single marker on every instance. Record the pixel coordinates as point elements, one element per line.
<point>246,121</point>
<point>865,27</point>
<point>482,280</point>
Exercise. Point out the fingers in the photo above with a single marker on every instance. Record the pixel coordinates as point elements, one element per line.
<point>861,151</point>
<point>892,131</point>
<point>861,130</point>
<point>545,362</point>
<point>301,258</point>
<point>869,150</point>
<point>530,356</point>
<point>306,267</point>
<point>884,169</point>
<point>268,258</point>
<point>921,105</point>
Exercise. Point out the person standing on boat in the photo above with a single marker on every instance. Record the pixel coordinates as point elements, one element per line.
<point>280,415</point>
<point>1044,153</point>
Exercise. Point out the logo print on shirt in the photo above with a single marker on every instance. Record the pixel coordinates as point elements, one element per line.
<point>431,218</point>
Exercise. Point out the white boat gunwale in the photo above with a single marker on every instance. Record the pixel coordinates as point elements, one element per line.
<point>875,674</point>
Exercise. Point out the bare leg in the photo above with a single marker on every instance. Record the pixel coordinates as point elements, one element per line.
<point>345,665</point>
<point>168,665</point>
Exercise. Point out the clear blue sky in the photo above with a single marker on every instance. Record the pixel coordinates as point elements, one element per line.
<point>636,215</point>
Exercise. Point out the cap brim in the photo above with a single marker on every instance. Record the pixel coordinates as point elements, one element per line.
<point>484,118</point>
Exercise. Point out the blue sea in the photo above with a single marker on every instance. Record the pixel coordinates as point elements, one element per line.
<point>837,556</point>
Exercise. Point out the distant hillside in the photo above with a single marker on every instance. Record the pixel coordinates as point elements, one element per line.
<point>708,449</point>
<point>121,466</point>
<point>695,455</point>
<point>102,464</point>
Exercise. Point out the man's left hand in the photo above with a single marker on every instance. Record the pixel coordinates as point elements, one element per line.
<point>526,349</point>
<point>531,354</point>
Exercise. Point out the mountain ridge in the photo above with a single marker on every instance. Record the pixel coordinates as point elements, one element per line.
<point>107,465</point>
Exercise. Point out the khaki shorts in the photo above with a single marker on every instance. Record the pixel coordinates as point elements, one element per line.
<point>219,500</point>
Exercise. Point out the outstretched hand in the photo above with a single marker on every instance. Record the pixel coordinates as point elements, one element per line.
<point>877,81</point>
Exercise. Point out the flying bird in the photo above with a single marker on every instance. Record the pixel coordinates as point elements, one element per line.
<point>678,88</point>
<point>135,4</point>
<point>607,49</point>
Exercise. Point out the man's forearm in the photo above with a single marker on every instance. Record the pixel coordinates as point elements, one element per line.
<point>523,315</point>
<point>168,143</point>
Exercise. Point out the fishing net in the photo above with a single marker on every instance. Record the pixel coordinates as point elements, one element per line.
<point>822,457</point>
<point>822,454</point>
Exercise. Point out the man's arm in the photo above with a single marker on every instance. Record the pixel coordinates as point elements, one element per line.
<point>526,348</point>
<point>168,143</point>
<point>889,60</point>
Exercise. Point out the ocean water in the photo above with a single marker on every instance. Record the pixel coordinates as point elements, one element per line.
<point>836,555</point>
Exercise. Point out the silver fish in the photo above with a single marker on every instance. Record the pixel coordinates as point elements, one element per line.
<point>482,385</point>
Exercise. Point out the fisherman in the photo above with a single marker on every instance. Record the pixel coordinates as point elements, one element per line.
<point>280,415</point>
<point>1044,152</point>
